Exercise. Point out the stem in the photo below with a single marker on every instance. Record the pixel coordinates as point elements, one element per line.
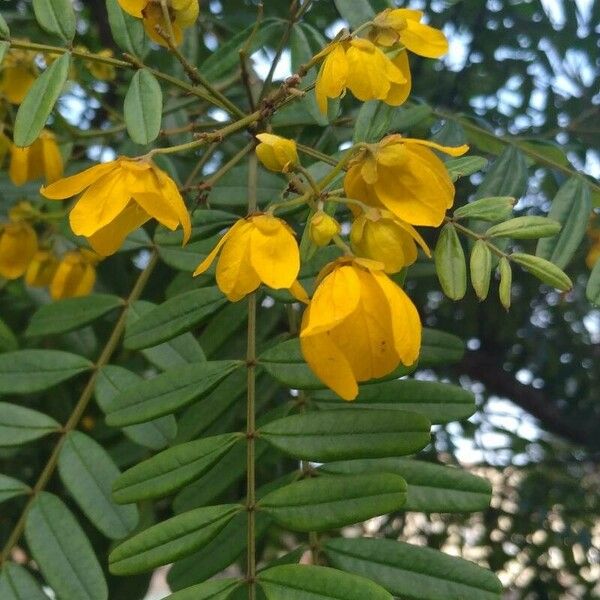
<point>80,407</point>
<point>251,401</point>
<point>477,236</point>
<point>316,154</point>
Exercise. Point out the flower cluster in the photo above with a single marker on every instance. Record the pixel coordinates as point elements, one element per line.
<point>377,67</point>
<point>22,254</point>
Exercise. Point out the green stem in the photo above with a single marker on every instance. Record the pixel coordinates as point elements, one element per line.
<point>80,407</point>
<point>316,154</point>
<point>477,236</point>
<point>251,404</point>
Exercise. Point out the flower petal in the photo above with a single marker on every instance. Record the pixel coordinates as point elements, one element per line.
<point>423,39</point>
<point>71,186</point>
<point>205,264</point>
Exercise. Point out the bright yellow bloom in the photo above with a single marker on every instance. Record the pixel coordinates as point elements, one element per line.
<point>41,159</point>
<point>593,254</point>
<point>120,196</point>
<point>379,236</point>
<point>405,177</point>
<point>360,66</point>
<point>17,74</point>
<point>18,245</point>
<point>41,269</point>
<point>403,26</point>
<point>358,326</point>
<point>258,249</point>
<point>277,153</point>
<point>323,228</point>
<point>75,276</point>
<point>182,14</point>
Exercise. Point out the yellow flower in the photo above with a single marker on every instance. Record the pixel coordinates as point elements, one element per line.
<point>182,14</point>
<point>594,252</point>
<point>41,269</point>
<point>379,236</point>
<point>75,276</point>
<point>258,249</point>
<point>403,26</point>
<point>41,159</point>
<point>18,245</point>
<point>403,176</point>
<point>277,153</point>
<point>360,66</point>
<point>323,228</point>
<point>120,196</point>
<point>358,326</point>
<point>17,74</point>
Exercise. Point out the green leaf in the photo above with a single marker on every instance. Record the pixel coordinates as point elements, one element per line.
<point>542,269</point>
<point>17,584</point>
<point>4,46</point>
<point>19,425</point>
<point>465,165</point>
<point>592,290</point>
<point>232,190</point>
<point>127,31</point>
<point>154,434</point>
<point>181,350</point>
<point>356,12</point>
<point>450,263</point>
<point>10,487</point>
<point>505,287</point>
<point>172,539</point>
<point>439,402</point>
<point>431,487</point>
<point>168,392</point>
<point>414,572</point>
<point>571,207</point>
<point>373,121</point>
<point>28,371</point>
<point>525,228</point>
<point>506,177</point>
<point>407,117</point>
<point>172,469</point>
<point>62,551</point>
<point>301,582</point>
<point>4,29</point>
<point>492,209</point>
<point>481,268</point>
<point>8,340</point>
<point>323,503</point>
<point>219,589</point>
<point>40,100</point>
<point>56,17</point>
<point>70,314</point>
<point>88,472</point>
<point>143,107</point>
<point>226,57</point>
<point>175,316</point>
<point>440,348</point>
<point>336,435</point>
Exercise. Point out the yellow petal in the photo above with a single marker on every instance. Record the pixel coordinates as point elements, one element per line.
<point>205,264</point>
<point>332,77</point>
<point>327,362</point>
<point>366,71</point>
<point>173,199</point>
<point>52,158</point>
<point>18,245</point>
<point>133,7</point>
<point>405,320</point>
<point>71,186</point>
<point>451,150</point>
<point>19,165</point>
<point>41,269</point>
<point>74,277</point>
<point>100,204</point>
<point>235,276</point>
<point>298,292</point>
<point>399,92</point>
<point>424,40</point>
<point>109,239</point>
<point>274,253</point>
<point>335,299</point>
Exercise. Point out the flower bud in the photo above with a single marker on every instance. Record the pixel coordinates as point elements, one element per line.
<point>75,276</point>
<point>22,211</point>
<point>41,269</point>
<point>323,228</point>
<point>276,153</point>
<point>389,241</point>
<point>18,245</point>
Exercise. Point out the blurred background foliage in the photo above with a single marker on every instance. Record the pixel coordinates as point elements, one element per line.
<point>520,68</point>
